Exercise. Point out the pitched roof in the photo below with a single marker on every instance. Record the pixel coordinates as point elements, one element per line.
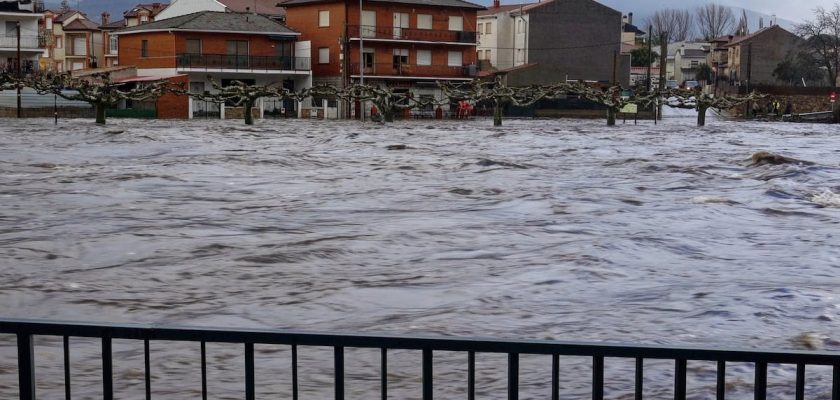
<point>81,25</point>
<point>204,21</point>
<point>153,8</point>
<point>692,52</point>
<point>504,8</point>
<point>751,36</point>
<point>542,3</point>
<point>61,15</point>
<point>265,7</point>
<point>113,25</point>
<point>435,3</point>
<point>628,27</point>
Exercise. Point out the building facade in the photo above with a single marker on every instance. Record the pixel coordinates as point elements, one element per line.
<point>496,46</point>
<point>73,42</point>
<point>21,15</point>
<point>560,40</point>
<point>407,45</point>
<point>142,13</point>
<point>752,58</point>
<point>204,47</point>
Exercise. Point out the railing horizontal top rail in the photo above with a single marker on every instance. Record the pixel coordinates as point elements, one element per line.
<point>483,345</point>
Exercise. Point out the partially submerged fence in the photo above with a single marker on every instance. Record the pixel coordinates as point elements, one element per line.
<point>25,330</point>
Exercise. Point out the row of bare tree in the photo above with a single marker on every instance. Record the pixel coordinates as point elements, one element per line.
<point>102,93</point>
<point>706,22</point>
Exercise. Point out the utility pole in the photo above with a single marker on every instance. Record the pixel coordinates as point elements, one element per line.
<point>361,60</point>
<point>615,68</point>
<point>650,56</point>
<point>19,75</point>
<point>663,62</point>
<point>749,78</point>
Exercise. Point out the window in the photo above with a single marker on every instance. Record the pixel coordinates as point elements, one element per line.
<point>368,23</point>
<point>695,64</point>
<point>323,55</point>
<point>455,59</point>
<point>194,46</point>
<point>367,58</point>
<point>144,48</point>
<point>79,46</point>
<point>400,23</point>
<point>324,18</point>
<point>424,21</point>
<point>424,57</point>
<point>456,23</point>
<point>144,19</point>
<point>400,57</point>
<point>480,29</point>
<point>237,54</point>
<point>488,28</point>
<point>49,24</point>
<point>11,28</point>
<point>58,42</point>
<point>113,44</point>
<point>487,55</point>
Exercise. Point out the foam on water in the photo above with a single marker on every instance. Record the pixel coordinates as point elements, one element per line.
<point>826,198</point>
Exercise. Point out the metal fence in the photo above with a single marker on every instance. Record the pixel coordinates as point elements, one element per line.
<point>25,330</point>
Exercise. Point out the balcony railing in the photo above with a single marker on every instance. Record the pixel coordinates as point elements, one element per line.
<point>431,71</point>
<point>426,35</point>
<point>241,63</point>
<point>26,42</point>
<point>761,363</point>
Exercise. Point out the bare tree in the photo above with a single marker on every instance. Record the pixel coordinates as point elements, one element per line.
<point>676,24</point>
<point>822,36</point>
<point>714,20</point>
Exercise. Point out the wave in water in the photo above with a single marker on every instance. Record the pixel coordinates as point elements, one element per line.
<point>826,198</point>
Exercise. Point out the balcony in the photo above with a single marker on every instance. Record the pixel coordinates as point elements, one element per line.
<point>409,34</point>
<point>209,62</point>
<point>420,71</point>
<point>26,42</point>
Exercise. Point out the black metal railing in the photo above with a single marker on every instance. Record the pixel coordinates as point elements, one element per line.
<point>242,62</point>
<point>25,330</point>
<point>431,71</point>
<point>424,35</point>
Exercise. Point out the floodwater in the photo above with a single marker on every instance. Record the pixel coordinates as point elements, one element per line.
<point>556,229</point>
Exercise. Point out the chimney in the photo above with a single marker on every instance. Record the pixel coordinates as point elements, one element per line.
<point>105,17</point>
<point>497,3</point>
<point>630,18</point>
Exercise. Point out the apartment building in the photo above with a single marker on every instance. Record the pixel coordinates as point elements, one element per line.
<point>73,42</point>
<point>23,14</point>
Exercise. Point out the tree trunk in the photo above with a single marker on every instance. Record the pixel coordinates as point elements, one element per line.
<point>611,112</point>
<point>249,119</point>
<point>388,114</point>
<point>100,113</point>
<point>701,116</point>
<point>497,114</point>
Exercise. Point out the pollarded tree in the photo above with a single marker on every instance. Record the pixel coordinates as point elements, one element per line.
<point>499,93</point>
<point>98,90</point>
<point>703,102</point>
<point>242,94</point>
<point>387,101</point>
<point>612,98</point>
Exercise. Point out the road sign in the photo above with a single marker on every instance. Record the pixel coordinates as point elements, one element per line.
<point>630,109</point>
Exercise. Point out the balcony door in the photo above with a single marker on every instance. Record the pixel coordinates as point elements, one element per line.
<point>368,28</point>
<point>237,54</point>
<point>400,23</point>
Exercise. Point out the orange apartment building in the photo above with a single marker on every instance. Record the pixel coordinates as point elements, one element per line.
<point>224,46</point>
<point>408,45</point>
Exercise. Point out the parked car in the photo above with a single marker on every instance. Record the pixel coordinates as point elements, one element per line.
<point>691,84</point>
<point>671,84</point>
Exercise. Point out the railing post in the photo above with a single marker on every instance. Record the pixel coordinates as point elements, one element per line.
<point>249,372</point>
<point>339,372</point>
<point>680,379</point>
<point>513,376</point>
<point>107,370</point>
<point>760,380</point>
<point>26,366</point>
<point>598,378</point>
<point>428,379</point>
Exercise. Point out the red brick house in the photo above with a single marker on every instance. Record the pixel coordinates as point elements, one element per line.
<point>140,14</point>
<point>405,44</point>
<point>225,46</point>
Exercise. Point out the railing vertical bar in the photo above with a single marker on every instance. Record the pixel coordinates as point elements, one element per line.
<point>249,372</point>
<point>640,378</point>
<point>760,380</point>
<point>67,394</point>
<point>471,375</point>
<point>107,370</point>
<point>428,379</point>
<point>555,377</point>
<point>203,370</point>
<point>339,372</point>
<point>384,373</point>
<point>680,379</point>
<point>721,380</point>
<point>294,372</point>
<point>835,382</point>
<point>800,381</point>
<point>598,378</point>
<point>147,369</point>
<point>26,366</point>
<point>513,376</point>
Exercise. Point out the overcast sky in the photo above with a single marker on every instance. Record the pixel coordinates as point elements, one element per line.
<point>794,10</point>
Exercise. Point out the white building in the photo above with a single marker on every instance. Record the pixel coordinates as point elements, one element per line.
<point>26,14</point>
<point>502,38</point>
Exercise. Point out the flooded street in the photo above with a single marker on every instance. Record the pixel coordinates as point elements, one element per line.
<point>554,229</point>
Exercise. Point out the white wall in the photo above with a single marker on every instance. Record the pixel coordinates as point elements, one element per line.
<point>184,7</point>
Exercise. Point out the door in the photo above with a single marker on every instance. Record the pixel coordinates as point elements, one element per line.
<point>400,23</point>
<point>237,54</point>
<point>368,28</point>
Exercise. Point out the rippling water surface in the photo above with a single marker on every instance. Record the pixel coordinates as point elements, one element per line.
<point>541,229</point>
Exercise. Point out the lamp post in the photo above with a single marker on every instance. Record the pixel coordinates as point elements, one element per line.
<point>361,60</point>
